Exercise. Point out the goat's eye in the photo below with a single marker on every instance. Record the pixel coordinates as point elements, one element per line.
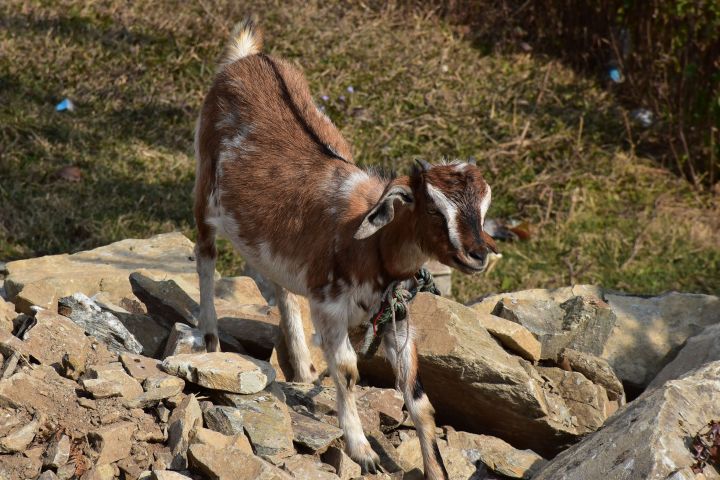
<point>432,211</point>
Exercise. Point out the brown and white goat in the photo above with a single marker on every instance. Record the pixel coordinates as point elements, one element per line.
<point>277,179</point>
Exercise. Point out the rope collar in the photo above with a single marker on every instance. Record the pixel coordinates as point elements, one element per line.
<point>394,307</point>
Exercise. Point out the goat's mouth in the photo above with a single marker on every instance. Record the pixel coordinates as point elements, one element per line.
<point>467,267</point>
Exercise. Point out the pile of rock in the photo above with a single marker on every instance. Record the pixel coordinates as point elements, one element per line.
<point>103,375</point>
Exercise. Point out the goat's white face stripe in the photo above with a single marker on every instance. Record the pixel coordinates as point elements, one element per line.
<point>449,211</point>
<point>484,205</point>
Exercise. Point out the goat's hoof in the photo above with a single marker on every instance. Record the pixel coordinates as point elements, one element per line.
<point>309,375</point>
<point>212,342</point>
<point>370,466</point>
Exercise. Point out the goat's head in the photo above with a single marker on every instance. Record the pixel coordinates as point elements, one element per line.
<point>448,203</point>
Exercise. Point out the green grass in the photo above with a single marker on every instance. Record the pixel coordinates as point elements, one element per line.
<point>554,145</point>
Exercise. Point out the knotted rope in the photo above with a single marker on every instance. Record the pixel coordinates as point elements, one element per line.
<point>394,308</point>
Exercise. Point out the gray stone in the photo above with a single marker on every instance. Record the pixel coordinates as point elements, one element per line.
<point>104,381</point>
<point>100,324</point>
<point>157,388</point>
<point>224,419</point>
<point>184,419</point>
<point>315,435</point>
<point>266,421</point>
<point>213,464</point>
<point>649,438</point>
<point>42,281</point>
<point>596,370</point>
<point>345,467</point>
<point>58,452</point>
<point>18,439</point>
<point>184,339</point>
<point>308,467</point>
<point>650,331</point>
<point>165,300</point>
<point>496,454</point>
<point>581,323</point>
<point>230,372</point>
<point>112,442</point>
<point>697,351</point>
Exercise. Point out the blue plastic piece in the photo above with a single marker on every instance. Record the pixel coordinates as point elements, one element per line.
<point>66,104</point>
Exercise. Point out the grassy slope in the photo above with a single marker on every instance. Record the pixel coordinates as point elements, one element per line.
<point>554,145</point>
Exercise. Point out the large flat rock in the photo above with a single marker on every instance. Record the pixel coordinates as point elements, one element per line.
<point>650,437</point>
<point>231,372</point>
<point>42,281</point>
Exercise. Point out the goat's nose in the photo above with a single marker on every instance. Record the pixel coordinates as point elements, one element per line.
<point>478,255</point>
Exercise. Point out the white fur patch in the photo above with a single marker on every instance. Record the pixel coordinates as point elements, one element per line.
<point>449,211</point>
<point>351,182</point>
<point>484,205</point>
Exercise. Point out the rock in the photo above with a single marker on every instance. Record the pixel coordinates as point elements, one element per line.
<point>7,315</point>
<point>497,454</point>
<point>140,367</point>
<point>151,333</point>
<point>184,339</point>
<point>239,291</point>
<point>310,433</point>
<point>587,404</point>
<point>157,388</point>
<point>224,419</point>
<point>582,323</point>
<point>256,327</point>
<point>168,475</point>
<point>213,464</point>
<point>266,421</point>
<point>100,472</point>
<point>100,324</point>
<point>377,407</point>
<point>409,453</point>
<point>557,295</point>
<point>184,419</point>
<point>513,336</point>
<point>459,464</point>
<point>345,467</point>
<point>492,391</point>
<point>19,439</point>
<point>205,436</point>
<point>42,281</point>
<point>47,475</point>
<point>111,381</point>
<point>596,370</point>
<point>165,300</point>
<point>650,331</point>
<point>53,336</point>
<point>697,351</point>
<point>648,438</point>
<point>230,372</point>
<point>390,461</point>
<point>442,275</point>
<point>58,452</point>
<point>112,442</point>
<point>308,467</point>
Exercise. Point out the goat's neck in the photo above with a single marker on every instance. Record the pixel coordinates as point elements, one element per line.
<point>399,249</point>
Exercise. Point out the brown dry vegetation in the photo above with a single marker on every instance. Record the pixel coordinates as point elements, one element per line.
<point>557,148</point>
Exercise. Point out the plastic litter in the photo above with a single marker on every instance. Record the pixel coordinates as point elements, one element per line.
<point>615,75</point>
<point>65,105</point>
<point>643,116</point>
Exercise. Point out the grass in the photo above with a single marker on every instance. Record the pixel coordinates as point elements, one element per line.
<point>555,147</point>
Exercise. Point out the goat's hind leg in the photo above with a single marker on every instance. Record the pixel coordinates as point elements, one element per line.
<point>291,326</point>
<point>205,256</point>
<point>403,357</point>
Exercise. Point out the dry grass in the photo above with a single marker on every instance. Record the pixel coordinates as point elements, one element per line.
<point>556,148</point>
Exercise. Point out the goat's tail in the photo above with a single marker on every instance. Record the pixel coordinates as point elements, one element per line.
<point>245,40</point>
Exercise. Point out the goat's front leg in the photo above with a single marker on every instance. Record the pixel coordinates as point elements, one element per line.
<point>403,357</point>
<point>342,363</point>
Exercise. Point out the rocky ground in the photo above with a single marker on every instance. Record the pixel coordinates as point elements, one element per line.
<point>104,376</point>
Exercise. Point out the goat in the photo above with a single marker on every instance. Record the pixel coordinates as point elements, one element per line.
<point>278,180</point>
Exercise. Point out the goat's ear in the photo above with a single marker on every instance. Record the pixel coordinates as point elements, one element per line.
<point>384,211</point>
